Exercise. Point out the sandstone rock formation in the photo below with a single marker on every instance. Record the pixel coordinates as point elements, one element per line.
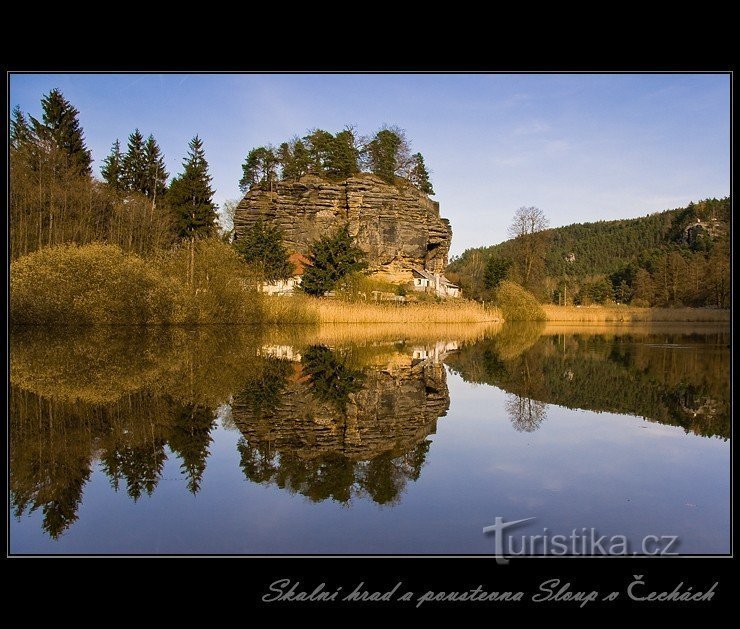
<point>398,227</point>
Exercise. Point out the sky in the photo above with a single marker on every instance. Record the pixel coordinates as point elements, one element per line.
<point>581,147</point>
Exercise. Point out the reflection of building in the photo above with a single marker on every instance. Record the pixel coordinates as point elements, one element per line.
<point>436,353</point>
<point>288,286</point>
<point>283,352</point>
<point>435,283</point>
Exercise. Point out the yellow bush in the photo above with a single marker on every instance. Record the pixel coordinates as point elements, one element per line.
<point>97,283</point>
<point>517,304</point>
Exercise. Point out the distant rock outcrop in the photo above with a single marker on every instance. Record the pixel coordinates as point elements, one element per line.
<point>398,227</point>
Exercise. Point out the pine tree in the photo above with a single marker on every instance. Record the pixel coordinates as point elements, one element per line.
<point>61,129</point>
<point>342,156</point>
<point>259,167</point>
<point>191,196</point>
<point>112,169</point>
<point>383,152</point>
<point>419,174</point>
<point>262,247</point>
<point>319,145</point>
<point>134,164</point>
<point>155,183</point>
<point>331,258</point>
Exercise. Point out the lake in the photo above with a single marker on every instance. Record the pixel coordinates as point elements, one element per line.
<point>353,440</point>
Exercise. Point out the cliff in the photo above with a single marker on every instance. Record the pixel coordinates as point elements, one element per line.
<point>398,227</point>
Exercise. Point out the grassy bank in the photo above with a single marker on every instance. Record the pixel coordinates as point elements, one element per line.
<point>626,314</point>
<point>100,284</point>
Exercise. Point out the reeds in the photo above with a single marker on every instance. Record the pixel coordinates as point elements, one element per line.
<point>627,314</point>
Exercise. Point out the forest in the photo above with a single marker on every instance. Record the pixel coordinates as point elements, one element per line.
<point>678,257</point>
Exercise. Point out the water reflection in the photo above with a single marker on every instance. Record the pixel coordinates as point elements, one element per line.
<point>331,414</point>
<point>674,375</point>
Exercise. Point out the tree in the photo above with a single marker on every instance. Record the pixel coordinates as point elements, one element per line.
<point>262,247</point>
<point>342,155</point>
<point>496,270</point>
<point>530,244</point>
<point>259,168</point>
<point>191,199</point>
<point>419,175</point>
<point>61,129</point>
<point>644,289</point>
<point>134,164</point>
<point>112,169</point>
<point>319,144</point>
<point>20,132</point>
<point>331,258</point>
<point>383,153</point>
<point>155,182</point>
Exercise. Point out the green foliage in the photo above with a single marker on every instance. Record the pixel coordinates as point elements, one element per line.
<point>60,128</point>
<point>332,257</point>
<point>419,175</point>
<point>134,163</point>
<point>342,155</point>
<point>516,303</point>
<point>497,270</point>
<point>191,197</point>
<point>663,259</point>
<point>112,169</point>
<point>259,168</point>
<point>383,154</point>
<point>155,180</point>
<point>262,247</point>
<point>598,292</point>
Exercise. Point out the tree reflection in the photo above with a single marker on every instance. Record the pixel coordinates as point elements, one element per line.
<point>525,414</point>
<point>331,379</point>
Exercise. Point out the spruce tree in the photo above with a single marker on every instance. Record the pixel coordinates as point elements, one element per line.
<point>20,132</point>
<point>191,197</point>
<point>419,174</point>
<point>319,144</point>
<point>155,183</point>
<point>112,169</point>
<point>496,270</point>
<point>262,247</point>
<point>61,129</point>
<point>331,258</point>
<point>134,164</point>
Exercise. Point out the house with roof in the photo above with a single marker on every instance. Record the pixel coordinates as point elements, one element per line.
<point>291,284</point>
<point>435,283</point>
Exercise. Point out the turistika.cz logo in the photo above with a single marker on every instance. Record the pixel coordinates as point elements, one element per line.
<point>580,542</point>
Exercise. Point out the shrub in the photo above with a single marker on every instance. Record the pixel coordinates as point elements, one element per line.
<point>96,283</point>
<point>517,304</point>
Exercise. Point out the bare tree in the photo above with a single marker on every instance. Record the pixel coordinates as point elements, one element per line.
<point>525,414</point>
<point>527,230</point>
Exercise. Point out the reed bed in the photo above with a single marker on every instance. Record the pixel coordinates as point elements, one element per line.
<point>628,314</point>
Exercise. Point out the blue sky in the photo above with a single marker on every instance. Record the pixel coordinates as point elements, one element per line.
<point>580,147</point>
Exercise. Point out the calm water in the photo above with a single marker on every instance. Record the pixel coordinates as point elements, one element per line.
<point>347,440</point>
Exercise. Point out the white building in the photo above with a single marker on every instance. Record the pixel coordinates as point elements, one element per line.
<point>435,283</point>
<point>290,285</point>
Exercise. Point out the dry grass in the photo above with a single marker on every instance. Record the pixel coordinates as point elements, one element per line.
<point>459,311</point>
<point>339,334</point>
<point>627,314</point>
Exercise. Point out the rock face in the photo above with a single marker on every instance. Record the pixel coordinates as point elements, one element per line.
<point>398,227</point>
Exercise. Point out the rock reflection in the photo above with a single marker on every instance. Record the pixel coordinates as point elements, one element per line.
<point>340,430</point>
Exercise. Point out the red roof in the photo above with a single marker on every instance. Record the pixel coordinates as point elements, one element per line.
<point>300,262</point>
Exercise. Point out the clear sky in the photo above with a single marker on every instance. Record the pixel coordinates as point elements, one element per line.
<point>580,147</point>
